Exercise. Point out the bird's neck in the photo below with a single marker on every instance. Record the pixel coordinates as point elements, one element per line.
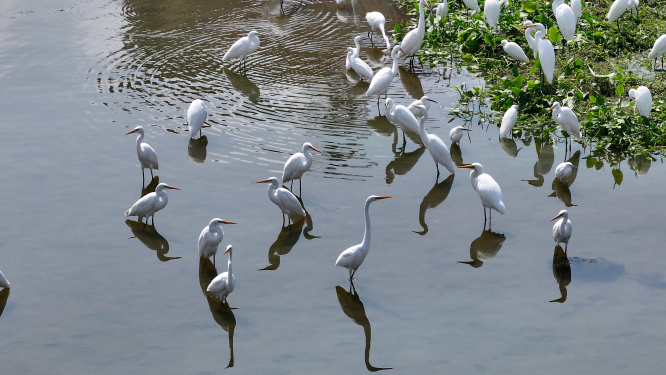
<point>229,275</point>
<point>139,139</point>
<point>365,245</point>
<point>421,26</point>
<point>394,67</point>
<point>422,130</point>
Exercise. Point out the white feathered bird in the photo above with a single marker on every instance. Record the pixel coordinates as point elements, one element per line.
<point>283,198</point>
<point>437,148</point>
<point>442,9</point>
<point>147,155</point>
<point>377,21</point>
<point>150,203</point>
<point>196,116</point>
<point>411,43</point>
<point>643,99</point>
<point>224,283</point>
<point>659,49</point>
<point>491,11</point>
<point>513,50</point>
<point>456,134</point>
<point>210,238</point>
<point>566,19</point>
<point>564,170</point>
<point>562,229</point>
<point>509,121</point>
<point>382,80</point>
<point>298,163</point>
<point>401,117</point>
<point>359,66</point>
<point>243,47</point>
<point>488,190</point>
<point>424,101</point>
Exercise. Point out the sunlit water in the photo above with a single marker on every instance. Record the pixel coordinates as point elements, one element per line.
<point>94,293</point>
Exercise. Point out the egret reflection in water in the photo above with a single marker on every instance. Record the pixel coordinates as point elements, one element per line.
<point>484,248</point>
<point>222,313</point>
<point>539,180</point>
<point>287,238</point>
<point>150,188</point>
<point>509,147</point>
<point>546,156</point>
<point>456,154</point>
<point>150,238</point>
<point>562,272</point>
<point>640,164</point>
<point>4,296</point>
<point>353,307</point>
<point>402,163</point>
<point>243,85</point>
<point>196,149</point>
<point>434,198</point>
<point>411,82</point>
<point>561,189</point>
<point>376,57</point>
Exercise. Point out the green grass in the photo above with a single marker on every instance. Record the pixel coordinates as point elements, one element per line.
<point>593,78</point>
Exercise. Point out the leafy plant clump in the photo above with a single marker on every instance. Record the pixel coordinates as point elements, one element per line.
<point>593,74</point>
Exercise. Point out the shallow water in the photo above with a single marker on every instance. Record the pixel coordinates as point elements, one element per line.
<point>92,292</point>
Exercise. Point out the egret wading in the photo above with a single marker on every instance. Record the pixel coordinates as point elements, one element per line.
<point>567,119</point>
<point>210,238</point>
<point>411,44</point>
<point>401,117</point>
<point>424,101</point>
<point>224,283</point>
<point>297,164</point>
<point>562,229</point>
<point>151,203</point>
<point>147,155</point>
<point>284,199</point>
<point>196,116</point>
<point>437,148</point>
<point>488,190</point>
<point>564,170</point>
<point>456,134</point>
<point>382,80</point>
<point>377,21</point>
<point>243,47</point>
<point>353,257</point>
<point>358,65</point>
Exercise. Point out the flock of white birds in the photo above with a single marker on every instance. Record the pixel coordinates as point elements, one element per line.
<point>410,119</point>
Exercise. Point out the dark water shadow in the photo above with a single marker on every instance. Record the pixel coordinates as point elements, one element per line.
<point>546,155</point>
<point>402,163</point>
<point>599,270</point>
<point>509,147</point>
<point>484,248</point>
<point>150,238</point>
<point>4,296</point>
<point>562,272</point>
<point>538,177</point>
<point>382,126</point>
<point>222,313</point>
<point>376,57</point>
<point>196,149</point>
<point>353,307</point>
<point>456,154</point>
<point>639,164</point>
<point>243,85</point>
<point>287,238</point>
<point>434,198</point>
<point>562,192</point>
<point>411,82</point>
<point>150,188</point>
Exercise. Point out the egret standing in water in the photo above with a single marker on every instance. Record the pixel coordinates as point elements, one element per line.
<point>210,238</point>
<point>284,199</point>
<point>564,170</point>
<point>353,257</point>
<point>196,116</point>
<point>382,80</point>
<point>147,155</point>
<point>487,189</point>
<point>224,283</point>
<point>411,44</point>
<point>401,117</point>
<point>424,101</point>
<point>508,122</point>
<point>151,203</point>
<point>243,47</point>
<point>377,21</point>
<point>567,119</point>
<point>643,100</point>
<point>659,49</point>
<point>456,134</point>
<point>359,66</point>
<point>298,164</point>
<point>562,229</point>
<point>437,148</point>
<point>356,52</point>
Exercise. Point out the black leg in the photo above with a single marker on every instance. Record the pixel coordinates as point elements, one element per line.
<point>214,260</point>
<point>437,165</point>
<point>300,186</point>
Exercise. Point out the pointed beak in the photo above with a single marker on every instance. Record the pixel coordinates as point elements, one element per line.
<point>227,222</point>
<point>499,45</point>
<point>316,150</point>
<point>526,26</point>
<point>385,197</point>
<point>130,132</point>
<point>261,182</point>
<point>346,50</point>
<point>432,100</point>
<point>551,108</point>
<point>226,251</point>
<point>573,166</point>
<point>263,34</point>
<point>466,166</point>
<point>171,187</point>
<point>556,217</point>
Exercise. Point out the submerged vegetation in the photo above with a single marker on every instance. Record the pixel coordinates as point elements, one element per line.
<point>593,74</point>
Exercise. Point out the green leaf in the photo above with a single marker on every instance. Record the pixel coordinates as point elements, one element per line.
<point>619,90</point>
<point>514,70</point>
<point>468,58</point>
<point>590,162</point>
<point>617,175</point>
<point>488,39</point>
<point>529,6</point>
<point>554,35</point>
<point>600,100</point>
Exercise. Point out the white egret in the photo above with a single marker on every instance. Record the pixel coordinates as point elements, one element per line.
<point>283,198</point>
<point>297,164</point>
<point>643,100</point>
<point>224,283</point>
<point>545,51</point>
<point>210,238</point>
<point>659,49</point>
<point>562,229</point>
<point>424,101</point>
<point>487,189</point>
<point>567,119</point>
<point>577,8</point>
<point>353,257</point>
<point>491,11</point>
<point>437,148</point>
<point>442,9</point>
<point>196,116</point>
<point>4,283</point>
<point>618,8</point>
<point>151,203</point>
<point>411,44</point>
<point>456,134</point>
<point>513,50</point>
<point>531,42</point>
<point>508,122</point>
<point>401,117</point>
<point>356,50</point>
<point>382,80</point>
<point>147,155</point>
<point>473,5</point>
<point>359,66</point>
<point>563,171</point>
<point>243,47</point>
<point>377,21</point>
<point>566,19</point>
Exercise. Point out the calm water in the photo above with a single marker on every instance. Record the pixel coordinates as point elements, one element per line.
<point>94,293</point>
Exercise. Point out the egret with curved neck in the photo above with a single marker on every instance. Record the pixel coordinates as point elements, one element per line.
<point>224,283</point>
<point>151,203</point>
<point>437,148</point>
<point>210,238</point>
<point>284,199</point>
<point>411,44</point>
<point>147,155</point>
<point>401,117</point>
<point>353,257</point>
<point>298,164</point>
<point>382,80</point>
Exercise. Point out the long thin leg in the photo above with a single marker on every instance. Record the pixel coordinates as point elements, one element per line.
<point>300,186</point>
<point>214,260</point>
<point>143,174</point>
<point>437,165</point>
<point>151,173</point>
<point>485,219</point>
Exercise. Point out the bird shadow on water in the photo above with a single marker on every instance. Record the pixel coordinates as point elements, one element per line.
<point>196,150</point>
<point>287,239</point>
<point>4,296</point>
<point>222,313</point>
<point>411,82</point>
<point>456,154</point>
<point>353,307</point>
<point>150,188</point>
<point>402,163</point>
<point>561,188</point>
<point>561,271</point>
<point>242,84</point>
<point>434,198</point>
<point>509,147</point>
<point>150,238</point>
<point>484,248</point>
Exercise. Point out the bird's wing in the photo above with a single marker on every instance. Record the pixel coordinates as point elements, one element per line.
<point>508,121</point>
<point>547,58</point>
<point>566,20</point>
<point>143,206</point>
<point>515,51</point>
<point>290,202</point>
<point>659,47</point>
<point>644,101</point>
<point>490,193</point>
<point>347,258</point>
<point>406,119</point>
<point>238,49</point>
<point>291,167</point>
<point>572,122</point>
<point>362,69</point>
<point>219,283</point>
<point>556,230</point>
<point>440,152</point>
<point>149,154</point>
<point>378,83</point>
<point>196,117</point>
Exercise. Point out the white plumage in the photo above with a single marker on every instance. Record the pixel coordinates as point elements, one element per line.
<point>531,42</point>
<point>514,50</point>
<point>545,51</point>
<point>4,283</point>
<point>566,19</point>
<point>562,229</point>
<point>224,283</point>
<point>491,11</point>
<point>424,101</point>
<point>401,117</point>
<point>243,47</point>
<point>353,257</point>
<point>577,8</point>
<point>359,66</point>
<point>210,238</point>
<point>196,116</point>
<point>485,186</point>
<point>567,119</point>
<point>298,163</point>
<point>151,203</point>
<point>619,7</point>
<point>456,134</point>
<point>508,121</point>
<point>473,5</point>
<point>377,21</point>
<point>356,50</point>
<point>284,199</point>
<point>437,148</point>
<point>643,100</point>
<point>442,9</point>
<point>382,80</point>
<point>659,48</point>
<point>411,44</point>
<point>564,170</point>
<point>147,155</point>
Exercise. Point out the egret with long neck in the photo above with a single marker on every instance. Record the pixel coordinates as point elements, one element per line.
<point>224,283</point>
<point>147,155</point>
<point>437,148</point>
<point>411,44</point>
<point>382,80</point>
